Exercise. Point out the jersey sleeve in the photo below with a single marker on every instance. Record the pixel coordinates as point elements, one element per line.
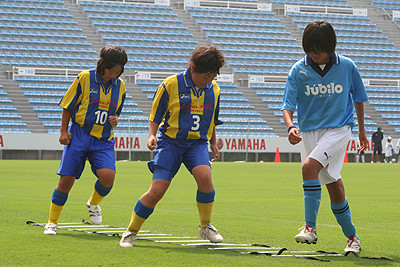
<point>217,121</point>
<point>160,104</point>
<point>123,96</point>
<point>290,94</point>
<point>358,90</point>
<point>70,99</point>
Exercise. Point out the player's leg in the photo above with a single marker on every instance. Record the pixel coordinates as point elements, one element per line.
<point>102,188</point>
<point>379,154</point>
<point>58,199</point>
<point>341,209</point>
<point>205,193</point>
<point>102,160</point>
<point>71,166</point>
<point>144,207</point>
<point>165,164</point>
<point>312,199</point>
<point>205,202</point>
<point>326,150</point>
<point>197,161</point>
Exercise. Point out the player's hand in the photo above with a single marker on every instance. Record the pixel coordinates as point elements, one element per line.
<point>113,120</point>
<point>65,138</point>
<point>363,140</point>
<point>215,151</point>
<point>152,142</point>
<point>294,136</point>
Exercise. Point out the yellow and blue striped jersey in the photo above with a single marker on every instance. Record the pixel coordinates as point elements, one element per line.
<point>184,111</point>
<point>91,102</point>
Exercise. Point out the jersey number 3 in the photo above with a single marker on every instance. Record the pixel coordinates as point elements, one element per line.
<point>196,123</point>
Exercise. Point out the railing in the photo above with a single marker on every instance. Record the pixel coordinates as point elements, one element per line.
<point>262,79</point>
<point>325,10</point>
<point>24,71</point>
<point>228,4</point>
<point>149,75</point>
<point>154,2</point>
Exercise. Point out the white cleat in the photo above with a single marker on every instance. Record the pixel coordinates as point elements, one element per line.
<point>211,233</point>
<point>128,239</point>
<point>94,213</point>
<point>353,244</point>
<point>50,229</point>
<point>307,235</point>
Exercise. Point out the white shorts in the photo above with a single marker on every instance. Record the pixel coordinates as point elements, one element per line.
<point>328,147</point>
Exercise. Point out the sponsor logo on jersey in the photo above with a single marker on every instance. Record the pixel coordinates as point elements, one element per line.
<point>93,91</point>
<point>323,90</point>
<point>184,96</point>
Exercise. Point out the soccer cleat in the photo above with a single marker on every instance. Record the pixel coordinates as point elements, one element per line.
<point>307,235</point>
<point>128,239</point>
<point>94,213</point>
<point>50,229</point>
<point>210,232</point>
<point>353,244</point>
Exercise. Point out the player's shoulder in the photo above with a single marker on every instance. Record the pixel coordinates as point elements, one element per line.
<point>345,60</point>
<point>300,65</point>
<point>84,73</point>
<point>171,80</point>
<point>121,81</point>
<point>215,85</point>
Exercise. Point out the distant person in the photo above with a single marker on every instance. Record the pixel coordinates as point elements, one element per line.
<point>93,103</point>
<point>185,109</point>
<point>398,149</point>
<point>377,137</point>
<point>360,153</point>
<point>389,150</point>
<point>326,88</point>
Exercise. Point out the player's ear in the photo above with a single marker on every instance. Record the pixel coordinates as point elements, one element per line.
<point>192,67</point>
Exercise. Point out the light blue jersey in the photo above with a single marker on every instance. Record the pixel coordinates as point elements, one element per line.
<point>324,99</point>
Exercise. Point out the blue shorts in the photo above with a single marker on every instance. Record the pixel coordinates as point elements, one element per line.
<point>170,153</point>
<point>84,146</point>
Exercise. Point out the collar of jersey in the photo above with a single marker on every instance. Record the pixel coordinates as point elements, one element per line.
<point>189,83</point>
<point>335,59</point>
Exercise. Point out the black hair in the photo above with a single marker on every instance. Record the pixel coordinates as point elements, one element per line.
<point>111,56</point>
<point>319,36</point>
<point>206,59</point>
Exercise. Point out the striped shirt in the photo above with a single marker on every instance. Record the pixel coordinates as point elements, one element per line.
<point>91,102</point>
<point>184,111</point>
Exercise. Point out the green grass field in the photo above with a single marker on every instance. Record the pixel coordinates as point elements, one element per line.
<point>255,203</point>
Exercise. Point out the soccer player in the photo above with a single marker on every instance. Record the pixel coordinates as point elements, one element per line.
<point>323,85</point>
<point>93,103</point>
<point>185,109</point>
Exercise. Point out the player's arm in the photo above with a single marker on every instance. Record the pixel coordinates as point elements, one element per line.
<point>213,146</point>
<point>152,142</point>
<point>293,133</point>
<point>65,136</point>
<point>114,119</point>
<point>359,107</point>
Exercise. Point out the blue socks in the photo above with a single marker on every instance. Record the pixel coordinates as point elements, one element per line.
<point>142,211</point>
<point>343,217</point>
<point>101,190</point>
<point>205,197</point>
<point>59,198</point>
<point>312,199</point>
